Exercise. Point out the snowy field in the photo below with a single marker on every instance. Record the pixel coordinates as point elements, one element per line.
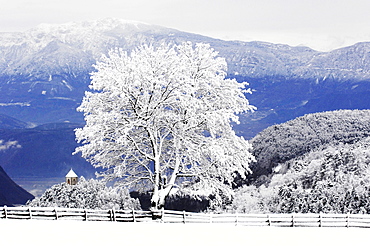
<point>42,232</point>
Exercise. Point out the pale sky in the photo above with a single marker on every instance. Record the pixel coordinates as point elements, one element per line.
<point>319,24</point>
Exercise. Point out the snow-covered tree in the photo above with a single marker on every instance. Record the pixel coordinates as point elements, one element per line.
<point>87,194</point>
<point>161,117</point>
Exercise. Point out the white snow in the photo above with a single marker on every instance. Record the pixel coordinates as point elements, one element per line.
<point>67,85</point>
<point>304,103</point>
<point>63,232</point>
<point>62,98</point>
<point>277,169</point>
<point>15,104</point>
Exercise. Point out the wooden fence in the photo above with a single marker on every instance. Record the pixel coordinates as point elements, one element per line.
<point>169,216</point>
<point>74,214</point>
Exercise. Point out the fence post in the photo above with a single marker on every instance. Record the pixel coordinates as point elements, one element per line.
<point>156,214</point>
<point>85,214</point>
<point>183,216</point>
<point>347,220</point>
<point>292,220</point>
<point>268,220</point>
<point>236,219</point>
<point>30,212</point>
<point>113,214</point>
<point>320,220</point>
<point>210,218</point>
<point>133,215</point>
<point>162,215</point>
<point>56,213</point>
<point>5,212</point>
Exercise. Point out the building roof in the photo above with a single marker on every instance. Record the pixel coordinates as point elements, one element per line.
<point>71,174</point>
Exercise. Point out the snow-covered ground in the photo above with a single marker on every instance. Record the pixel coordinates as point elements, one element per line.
<point>42,232</point>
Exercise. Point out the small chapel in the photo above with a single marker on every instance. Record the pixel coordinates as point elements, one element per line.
<point>71,177</point>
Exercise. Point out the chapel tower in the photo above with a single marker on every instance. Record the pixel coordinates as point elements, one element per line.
<point>71,177</point>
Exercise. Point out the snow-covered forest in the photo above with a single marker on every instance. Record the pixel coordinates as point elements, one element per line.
<point>316,163</point>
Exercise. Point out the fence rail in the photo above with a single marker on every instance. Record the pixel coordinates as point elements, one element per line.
<point>169,216</point>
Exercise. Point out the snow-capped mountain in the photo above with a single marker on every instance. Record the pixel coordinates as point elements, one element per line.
<point>45,71</point>
<point>71,48</point>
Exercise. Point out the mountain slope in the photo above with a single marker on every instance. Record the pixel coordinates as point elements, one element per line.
<point>318,163</point>
<point>330,179</point>
<point>7,122</point>
<point>277,145</point>
<point>10,192</point>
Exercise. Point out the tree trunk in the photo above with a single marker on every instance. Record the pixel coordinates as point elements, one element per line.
<point>156,194</point>
<point>159,195</point>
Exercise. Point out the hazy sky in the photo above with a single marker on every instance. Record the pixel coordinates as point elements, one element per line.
<point>320,24</point>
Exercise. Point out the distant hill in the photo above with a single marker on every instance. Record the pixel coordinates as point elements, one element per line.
<point>11,193</point>
<point>7,122</point>
<point>278,144</point>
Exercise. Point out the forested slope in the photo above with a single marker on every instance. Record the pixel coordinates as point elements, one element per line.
<point>315,163</point>
<point>280,143</point>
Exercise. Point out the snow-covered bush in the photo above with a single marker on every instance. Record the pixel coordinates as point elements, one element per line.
<point>87,194</point>
<point>249,199</point>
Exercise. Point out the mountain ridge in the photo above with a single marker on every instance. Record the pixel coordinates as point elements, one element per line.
<point>97,37</point>
<point>44,72</point>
